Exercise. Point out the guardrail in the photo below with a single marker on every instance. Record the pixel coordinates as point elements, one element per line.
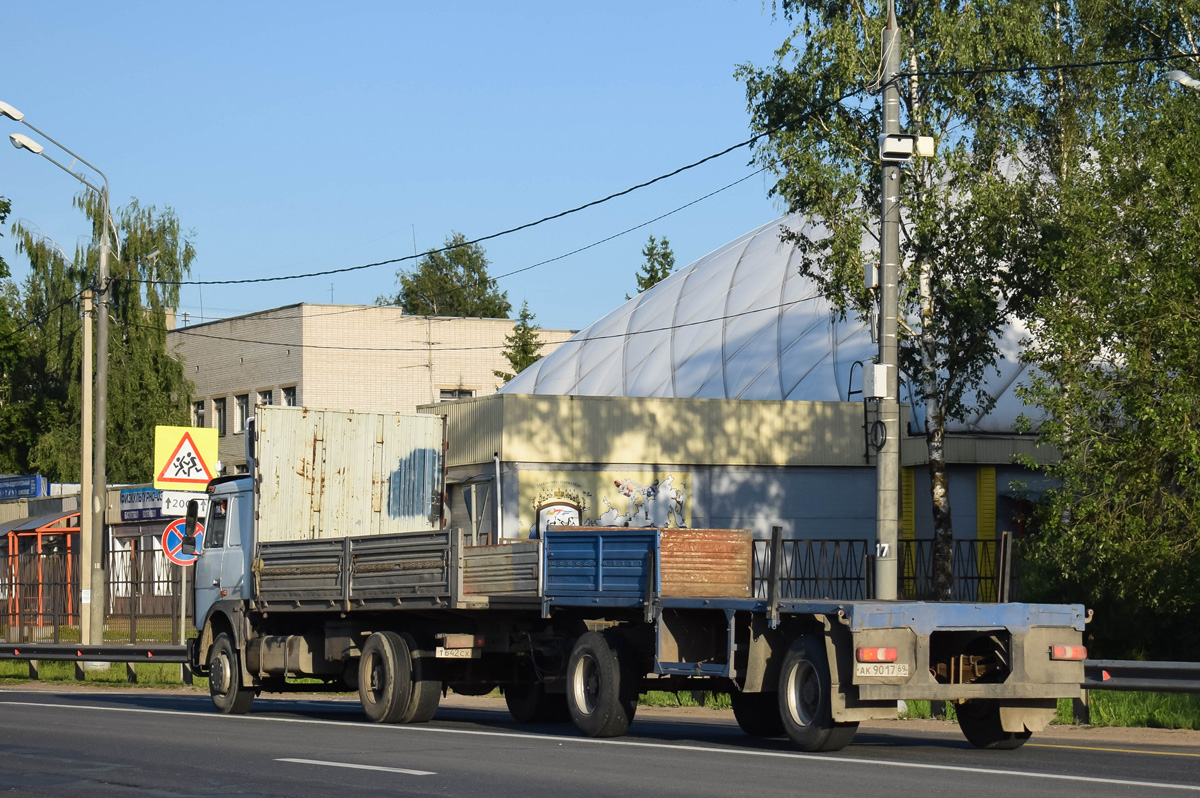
<point>1150,677</point>
<point>112,652</point>
<point>1098,674</point>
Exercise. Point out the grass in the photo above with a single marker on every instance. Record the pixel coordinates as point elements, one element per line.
<point>1150,710</point>
<point>659,698</point>
<point>148,674</point>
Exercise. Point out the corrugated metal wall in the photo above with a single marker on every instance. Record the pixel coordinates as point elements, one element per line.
<point>328,474</point>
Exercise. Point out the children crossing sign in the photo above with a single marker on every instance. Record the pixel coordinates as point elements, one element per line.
<point>184,457</point>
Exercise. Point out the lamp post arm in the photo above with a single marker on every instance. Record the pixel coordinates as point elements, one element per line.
<point>105,193</point>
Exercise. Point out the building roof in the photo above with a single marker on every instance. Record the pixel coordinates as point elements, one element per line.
<point>47,522</point>
<point>739,323</point>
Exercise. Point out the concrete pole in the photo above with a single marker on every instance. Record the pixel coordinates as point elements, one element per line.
<point>887,530</point>
<point>85,478</point>
<point>100,479</point>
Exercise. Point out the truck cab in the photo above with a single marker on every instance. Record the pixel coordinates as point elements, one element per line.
<point>223,560</point>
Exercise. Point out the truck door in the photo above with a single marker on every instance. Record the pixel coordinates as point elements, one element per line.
<point>233,558</point>
<point>209,563</point>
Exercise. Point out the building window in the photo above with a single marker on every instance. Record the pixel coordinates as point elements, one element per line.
<point>241,412</point>
<point>450,394</point>
<point>198,414</point>
<point>265,397</point>
<point>289,396</point>
<point>219,416</point>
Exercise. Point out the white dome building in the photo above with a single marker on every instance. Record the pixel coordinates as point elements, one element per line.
<point>740,323</point>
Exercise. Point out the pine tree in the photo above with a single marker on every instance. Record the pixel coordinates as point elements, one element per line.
<point>522,347</point>
<point>453,282</point>
<point>659,263</point>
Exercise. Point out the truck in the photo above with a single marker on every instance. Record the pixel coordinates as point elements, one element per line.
<point>331,566</point>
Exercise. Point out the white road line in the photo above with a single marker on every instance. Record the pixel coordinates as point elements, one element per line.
<point>406,771</point>
<point>842,760</point>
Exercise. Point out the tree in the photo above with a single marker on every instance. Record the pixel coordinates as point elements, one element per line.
<point>966,265</point>
<point>147,386</point>
<point>659,263</point>
<point>452,282</point>
<point>1117,350</point>
<point>522,347</point>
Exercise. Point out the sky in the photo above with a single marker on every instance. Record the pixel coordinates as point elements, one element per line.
<point>299,137</point>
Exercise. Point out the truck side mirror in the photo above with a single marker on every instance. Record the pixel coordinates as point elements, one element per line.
<point>188,544</point>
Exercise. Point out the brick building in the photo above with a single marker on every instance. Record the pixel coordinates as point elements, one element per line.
<point>360,357</point>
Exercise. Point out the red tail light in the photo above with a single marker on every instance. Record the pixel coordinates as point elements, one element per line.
<point>1070,653</point>
<point>872,654</point>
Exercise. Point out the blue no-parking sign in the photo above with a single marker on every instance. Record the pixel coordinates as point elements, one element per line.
<point>172,541</point>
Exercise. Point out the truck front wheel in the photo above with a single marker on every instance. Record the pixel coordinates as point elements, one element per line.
<point>804,699</point>
<point>229,695</point>
<point>602,689</point>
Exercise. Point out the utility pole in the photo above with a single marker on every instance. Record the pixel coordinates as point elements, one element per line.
<point>887,525</point>
<point>100,478</point>
<point>85,477</point>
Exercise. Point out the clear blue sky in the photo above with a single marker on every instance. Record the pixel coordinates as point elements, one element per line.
<point>296,137</point>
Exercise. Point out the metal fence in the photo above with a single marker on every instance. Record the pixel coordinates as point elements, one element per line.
<point>814,569</point>
<point>40,597</point>
<point>40,594</point>
<point>844,569</point>
<point>978,571</point>
<point>143,596</point>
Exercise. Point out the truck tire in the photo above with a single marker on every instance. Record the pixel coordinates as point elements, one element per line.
<point>979,720</point>
<point>804,709</point>
<point>229,695</point>
<point>528,702</point>
<point>757,714</point>
<point>602,689</point>
<point>384,676</point>
<point>425,689</point>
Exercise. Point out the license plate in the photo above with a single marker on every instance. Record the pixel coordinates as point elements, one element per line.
<point>881,669</point>
<point>456,653</point>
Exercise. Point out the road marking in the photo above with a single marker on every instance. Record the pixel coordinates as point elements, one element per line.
<point>359,767</point>
<point>840,760</point>
<point>1113,750</point>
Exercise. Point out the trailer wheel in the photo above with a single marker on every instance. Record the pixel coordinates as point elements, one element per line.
<point>804,709</point>
<point>979,719</point>
<point>528,702</point>
<point>602,689</point>
<point>757,713</point>
<point>425,689</point>
<point>225,678</point>
<point>384,677</point>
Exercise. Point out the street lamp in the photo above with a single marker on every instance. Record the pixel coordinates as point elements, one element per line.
<point>94,501</point>
<point>1184,79</point>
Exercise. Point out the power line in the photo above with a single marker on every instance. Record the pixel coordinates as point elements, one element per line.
<point>1044,67</point>
<point>405,258</point>
<point>426,347</point>
<point>556,257</point>
<point>42,317</point>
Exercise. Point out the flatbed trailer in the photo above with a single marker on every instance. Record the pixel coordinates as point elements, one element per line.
<point>576,624</point>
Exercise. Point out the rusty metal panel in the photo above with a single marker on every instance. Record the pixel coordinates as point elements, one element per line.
<point>503,570</point>
<point>714,563</point>
<point>326,474</point>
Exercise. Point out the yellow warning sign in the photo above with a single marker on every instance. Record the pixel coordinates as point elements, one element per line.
<point>185,458</point>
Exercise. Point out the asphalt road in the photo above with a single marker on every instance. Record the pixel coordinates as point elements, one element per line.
<point>128,742</point>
